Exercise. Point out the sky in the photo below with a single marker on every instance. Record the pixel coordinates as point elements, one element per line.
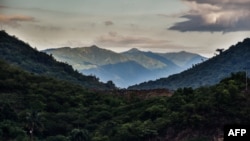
<point>198,26</point>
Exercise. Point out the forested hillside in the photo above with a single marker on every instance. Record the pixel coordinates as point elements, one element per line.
<point>40,108</point>
<point>21,54</point>
<point>208,73</point>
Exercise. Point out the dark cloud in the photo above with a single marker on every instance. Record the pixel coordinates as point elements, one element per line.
<point>215,16</point>
<point>108,23</point>
<point>220,2</point>
<point>196,23</point>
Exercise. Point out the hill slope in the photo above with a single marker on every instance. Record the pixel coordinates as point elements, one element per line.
<point>58,110</point>
<point>86,57</point>
<point>235,59</point>
<point>141,58</point>
<point>18,53</point>
<point>97,61</point>
<point>122,74</point>
<point>183,59</point>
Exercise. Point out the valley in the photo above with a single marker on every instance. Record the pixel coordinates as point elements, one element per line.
<point>126,68</point>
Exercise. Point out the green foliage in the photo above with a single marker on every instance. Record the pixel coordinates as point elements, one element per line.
<point>201,138</point>
<point>79,135</point>
<point>10,130</point>
<point>60,111</point>
<point>57,138</point>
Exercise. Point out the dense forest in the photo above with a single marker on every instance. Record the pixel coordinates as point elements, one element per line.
<point>36,107</point>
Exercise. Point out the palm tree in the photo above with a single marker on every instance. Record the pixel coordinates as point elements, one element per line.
<point>220,50</point>
<point>79,135</point>
<point>33,122</point>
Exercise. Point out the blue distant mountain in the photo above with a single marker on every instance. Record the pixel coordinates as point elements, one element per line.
<point>126,68</point>
<point>209,72</point>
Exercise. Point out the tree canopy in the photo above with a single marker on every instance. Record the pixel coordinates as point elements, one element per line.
<point>58,110</point>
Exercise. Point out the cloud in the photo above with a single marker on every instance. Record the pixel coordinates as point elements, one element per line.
<point>2,6</point>
<point>13,20</point>
<point>215,16</point>
<point>47,27</point>
<point>113,39</point>
<point>108,23</point>
<point>73,43</point>
<point>113,34</point>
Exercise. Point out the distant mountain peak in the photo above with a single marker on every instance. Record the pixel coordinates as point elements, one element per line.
<point>183,51</point>
<point>133,50</point>
<point>94,46</point>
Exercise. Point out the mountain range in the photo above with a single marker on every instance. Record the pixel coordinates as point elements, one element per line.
<point>43,99</point>
<point>126,68</point>
<point>18,53</point>
<point>211,71</point>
